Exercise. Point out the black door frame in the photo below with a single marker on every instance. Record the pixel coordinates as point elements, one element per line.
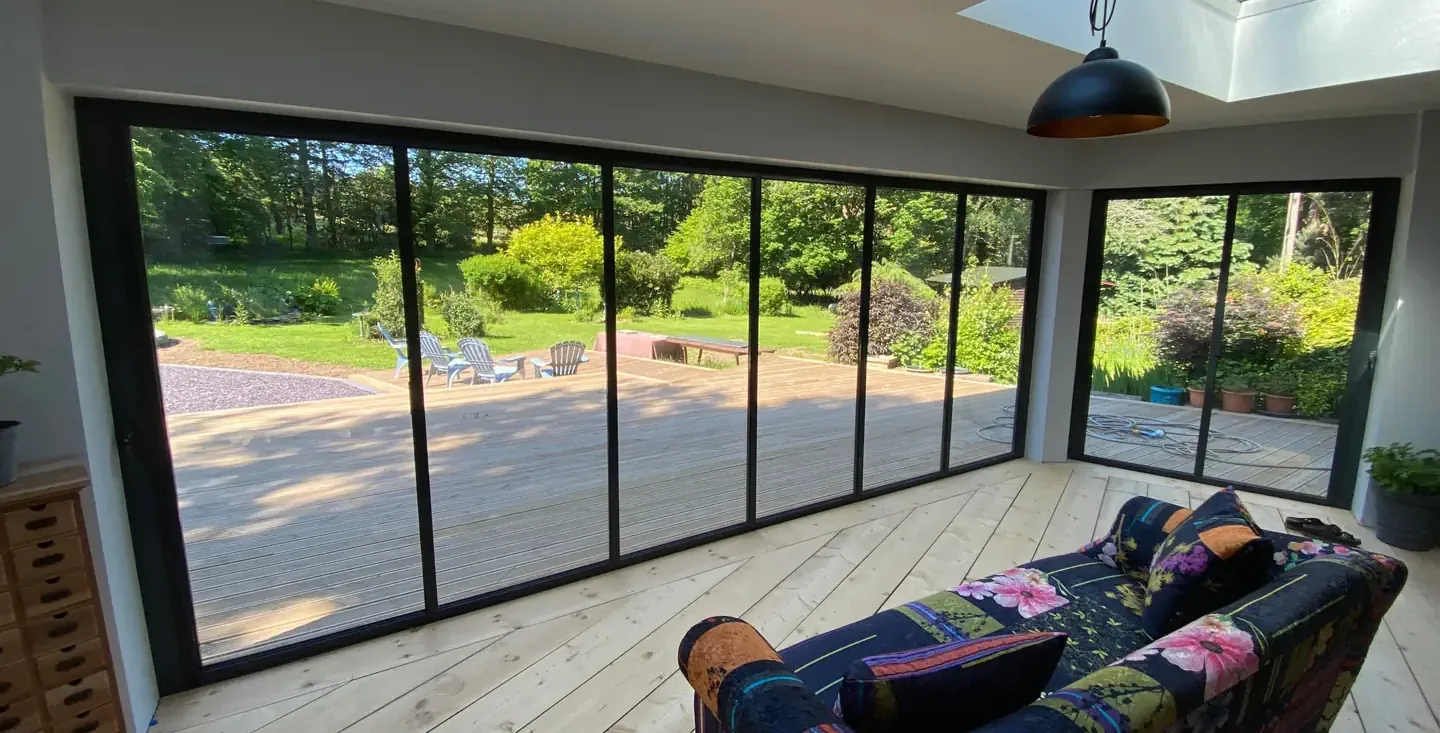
<point>1374,280</point>
<point>147,468</point>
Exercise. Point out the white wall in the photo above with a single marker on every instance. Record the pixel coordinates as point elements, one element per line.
<point>1359,147</point>
<point>1403,407</point>
<point>1319,43</point>
<point>1057,325</point>
<point>301,54</point>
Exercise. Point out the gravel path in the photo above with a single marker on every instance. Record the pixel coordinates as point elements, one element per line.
<point>202,389</point>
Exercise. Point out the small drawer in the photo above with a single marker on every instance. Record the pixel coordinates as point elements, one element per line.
<point>21,716</point>
<point>48,557</point>
<point>69,662</point>
<point>39,521</point>
<point>50,594</point>
<point>61,629</point>
<point>99,720</point>
<point>14,683</point>
<point>10,651</point>
<point>78,695</point>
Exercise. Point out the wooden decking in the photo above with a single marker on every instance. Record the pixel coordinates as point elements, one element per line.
<point>301,519</point>
<point>1293,455</point>
<point>598,656</point>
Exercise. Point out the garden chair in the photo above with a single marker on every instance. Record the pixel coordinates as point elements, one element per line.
<point>565,358</point>
<point>399,346</point>
<point>482,367</point>
<point>441,361</point>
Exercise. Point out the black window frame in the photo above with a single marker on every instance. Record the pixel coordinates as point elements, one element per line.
<point>1355,404</point>
<point>116,246</point>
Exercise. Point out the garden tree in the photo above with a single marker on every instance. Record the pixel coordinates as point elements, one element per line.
<point>916,230</point>
<point>997,230</point>
<point>1333,229</point>
<point>565,189</point>
<point>1155,246</point>
<point>650,204</point>
<point>715,236</point>
<point>811,233</point>
<point>568,253</point>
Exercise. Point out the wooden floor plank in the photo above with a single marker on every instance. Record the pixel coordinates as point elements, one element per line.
<point>251,720</point>
<point>1386,692</point>
<point>1071,527</point>
<point>1018,534</point>
<point>948,561</point>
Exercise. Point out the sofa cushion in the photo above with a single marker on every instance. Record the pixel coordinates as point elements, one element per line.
<point>1213,557</point>
<point>955,686</point>
<point>1142,524</point>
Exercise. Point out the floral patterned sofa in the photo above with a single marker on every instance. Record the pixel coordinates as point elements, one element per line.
<point>1282,658</point>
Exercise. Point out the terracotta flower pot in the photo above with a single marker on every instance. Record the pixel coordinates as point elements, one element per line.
<point>1241,401</point>
<point>1280,404</point>
<point>1197,397</point>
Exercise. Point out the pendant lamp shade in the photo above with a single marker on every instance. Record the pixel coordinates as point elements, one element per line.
<point>1101,97</point>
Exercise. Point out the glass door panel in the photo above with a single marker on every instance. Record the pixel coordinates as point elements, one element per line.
<point>1290,311</point>
<point>812,236</point>
<point>989,322</point>
<point>909,332</point>
<point>290,436</point>
<point>511,259</point>
<point>682,286</point>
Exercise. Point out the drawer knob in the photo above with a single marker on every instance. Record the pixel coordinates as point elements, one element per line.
<point>5,687</point>
<point>86,727</point>
<point>69,663</point>
<point>41,523</point>
<point>9,722</point>
<point>60,630</point>
<point>75,698</point>
<point>47,560</point>
<point>58,594</point>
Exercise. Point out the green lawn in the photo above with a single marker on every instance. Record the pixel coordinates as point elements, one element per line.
<point>338,342</point>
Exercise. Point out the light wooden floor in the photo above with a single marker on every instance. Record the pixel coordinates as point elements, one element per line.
<point>600,655</point>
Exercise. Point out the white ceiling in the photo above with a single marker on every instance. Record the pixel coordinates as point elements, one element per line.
<point>917,54</point>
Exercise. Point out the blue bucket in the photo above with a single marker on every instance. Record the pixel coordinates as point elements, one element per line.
<point>1166,395</point>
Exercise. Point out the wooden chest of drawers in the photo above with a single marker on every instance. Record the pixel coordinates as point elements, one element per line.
<point>55,667</point>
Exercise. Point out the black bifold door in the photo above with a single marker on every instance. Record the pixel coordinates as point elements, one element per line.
<point>365,377</point>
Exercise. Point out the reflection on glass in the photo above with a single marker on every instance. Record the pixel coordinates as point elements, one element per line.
<point>988,327</point>
<point>1152,337</point>
<point>909,325</point>
<point>511,264</point>
<point>294,461</point>
<point>1290,308</point>
<point>682,274</point>
<point>809,335</point>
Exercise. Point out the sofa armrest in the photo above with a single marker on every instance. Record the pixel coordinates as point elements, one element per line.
<point>743,682</point>
<point>1287,652</point>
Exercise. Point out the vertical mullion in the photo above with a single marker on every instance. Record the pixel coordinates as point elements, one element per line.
<point>409,285</point>
<point>1034,254</point>
<point>612,406</point>
<point>752,416</point>
<point>867,250</point>
<point>957,268</point>
<point>1217,336</point>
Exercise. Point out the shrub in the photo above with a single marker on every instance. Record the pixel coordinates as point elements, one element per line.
<point>910,348</point>
<point>1260,328</point>
<point>694,310</point>
<point>1321,377</point>
<point>191,302</point>
<point>389,300</point>
<point>987,334</point>
<point>586,307</point>
<point>774,297</point>
<point>1183,329</point>
<point>645,282</point>
<point>887,271</point>
<point>463,313</point>
<point>568,254</point>
<point>322,298</point>
<point>1125,347</point>
<point>267,299</point>
<point>510,282</point>
<point>894,312</point>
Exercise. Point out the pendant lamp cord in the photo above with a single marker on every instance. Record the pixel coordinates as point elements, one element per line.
<point>1101,12</point>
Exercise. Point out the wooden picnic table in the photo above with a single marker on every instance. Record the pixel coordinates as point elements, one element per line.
<point>701,345</point>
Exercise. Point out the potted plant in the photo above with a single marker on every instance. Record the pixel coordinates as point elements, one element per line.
<point>10,429</point>
<point>1236,394</point>
<point>1278,390</point>
<point>1407,506</point>
<point>1196,387</point>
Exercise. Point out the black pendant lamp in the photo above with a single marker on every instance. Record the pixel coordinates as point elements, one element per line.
<point>1103,96</point>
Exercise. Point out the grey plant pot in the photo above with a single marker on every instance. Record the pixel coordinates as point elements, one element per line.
<point>1406,521</point>
<point>9,458</point>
